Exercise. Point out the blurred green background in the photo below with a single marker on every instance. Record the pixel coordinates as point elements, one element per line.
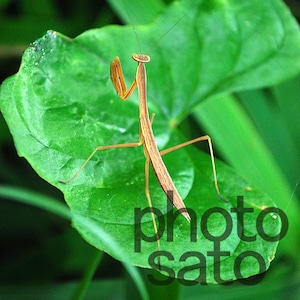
<point>42,255</point>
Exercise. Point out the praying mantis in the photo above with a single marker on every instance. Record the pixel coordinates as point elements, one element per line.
<point>152,154</point>
<point>147,139</point>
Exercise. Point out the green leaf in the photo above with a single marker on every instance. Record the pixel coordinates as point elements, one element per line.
<point>61,105</point>
<point>136,12</point>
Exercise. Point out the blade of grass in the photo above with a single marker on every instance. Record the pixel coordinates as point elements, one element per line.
<point>287,97</point>
<point>88,276</point>
<point>271,124</point>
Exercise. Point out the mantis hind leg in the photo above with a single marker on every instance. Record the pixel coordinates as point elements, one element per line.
<point>147,192</point>
<point>196,140</point>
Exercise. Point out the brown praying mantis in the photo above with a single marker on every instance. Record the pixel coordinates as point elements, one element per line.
<point>146,138</point>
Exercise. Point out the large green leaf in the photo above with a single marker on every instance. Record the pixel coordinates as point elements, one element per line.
<point>61,105</point>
